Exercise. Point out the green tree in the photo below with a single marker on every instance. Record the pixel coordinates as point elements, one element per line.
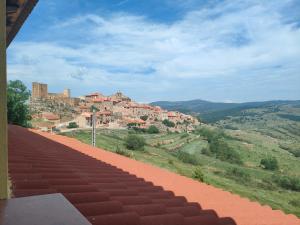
<point>17,109</point>
<point>168,123</point>
<point>153,130</point>
<point>135,142</point>
<point>145,117</point>
<point>72,125</point>
<point>270,163</point>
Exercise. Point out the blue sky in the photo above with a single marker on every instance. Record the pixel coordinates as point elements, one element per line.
<point>228,51</point>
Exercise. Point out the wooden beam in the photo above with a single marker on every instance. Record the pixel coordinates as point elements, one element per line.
<point>3,106</point>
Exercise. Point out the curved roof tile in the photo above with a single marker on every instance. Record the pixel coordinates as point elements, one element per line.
<point>110,189</point>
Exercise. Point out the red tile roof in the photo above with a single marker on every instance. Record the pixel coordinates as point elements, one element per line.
<point>43,163</point>
<point>171,114</point>
<point>97,100</point>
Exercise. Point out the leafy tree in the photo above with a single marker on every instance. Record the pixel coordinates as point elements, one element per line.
<point>270,163</point>
<point>135,142</point>
<point>72,125</point>
<point>145,117</point>
<point>131,125</point>
<point>17,109</point>
<point>153,130</point>
<point>168,123</point>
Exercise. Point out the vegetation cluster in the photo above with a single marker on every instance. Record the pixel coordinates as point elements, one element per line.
<point>17,109</point>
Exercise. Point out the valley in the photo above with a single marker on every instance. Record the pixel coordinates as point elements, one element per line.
<point>184,154</point>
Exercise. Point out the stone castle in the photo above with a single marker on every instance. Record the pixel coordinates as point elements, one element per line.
<point>40,93</point>
<point>114,111</point>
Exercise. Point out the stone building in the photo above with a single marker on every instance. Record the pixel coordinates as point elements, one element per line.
<point>65,94</point>
<point>39,91</point>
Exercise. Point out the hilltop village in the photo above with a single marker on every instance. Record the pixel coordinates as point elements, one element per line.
<point>52,111</point>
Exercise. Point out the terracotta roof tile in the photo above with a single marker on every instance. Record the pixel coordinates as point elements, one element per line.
<point>107,195</point>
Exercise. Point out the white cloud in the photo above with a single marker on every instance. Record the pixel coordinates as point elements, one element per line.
<point>239,39</point>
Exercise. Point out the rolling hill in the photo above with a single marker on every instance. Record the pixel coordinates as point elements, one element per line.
<point>212,112</point>
<point>230,153</point>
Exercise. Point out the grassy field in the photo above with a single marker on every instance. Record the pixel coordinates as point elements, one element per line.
<point>248,179</point>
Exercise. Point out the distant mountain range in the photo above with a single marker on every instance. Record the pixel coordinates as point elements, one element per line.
<point>215,111</point>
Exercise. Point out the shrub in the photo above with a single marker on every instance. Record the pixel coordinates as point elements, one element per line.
<point>295,202</point>
<point>122,152</point>
<point>135,142</point>
<point>223,152</point>
<point>187,158</point>
<point>145,117</point>
<point>139,130</point>
<point>296,152</point>
<point>153,130</point>
<point>210,134</point>
<point>270,163</point>
<point>238,174</point>
<point>218,147</point>
<point>198,174</point>
<point>170,161</point>
<point>287,182</point>
<point>206,151</point>
<point>266,184</point>
<point>168,123</point>
<point>185,135</point>
<point>72,125</point>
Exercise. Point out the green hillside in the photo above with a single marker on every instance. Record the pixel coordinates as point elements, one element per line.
<point>212,112</point>
<point>251,149</point>
<point>194,106</point>
<point>226,158</point>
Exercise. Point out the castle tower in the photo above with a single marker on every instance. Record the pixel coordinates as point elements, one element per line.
<point>39,91</point>
<point>67,93</point>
